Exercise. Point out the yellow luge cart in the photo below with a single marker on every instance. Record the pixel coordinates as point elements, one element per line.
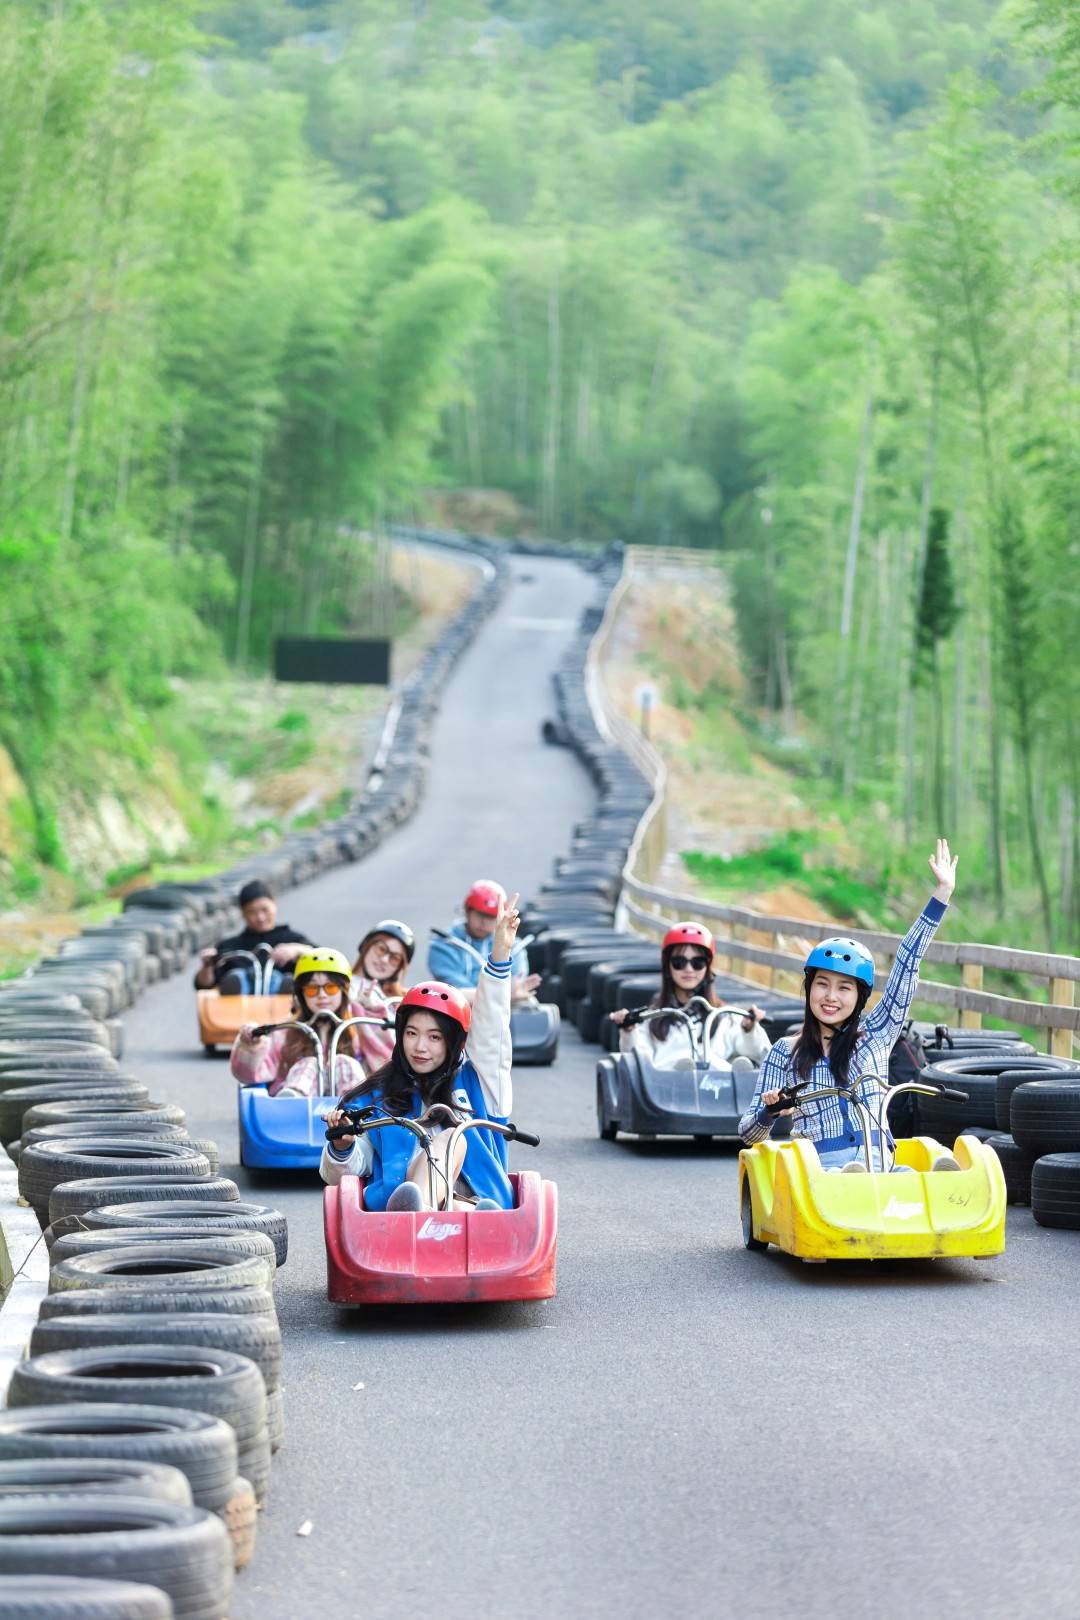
<point>786,1197</point>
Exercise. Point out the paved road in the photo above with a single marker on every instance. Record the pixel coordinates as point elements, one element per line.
<point>686,1429</point>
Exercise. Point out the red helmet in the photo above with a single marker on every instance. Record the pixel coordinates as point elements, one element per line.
<point>689,934</point>
<point>486,896</point>
<point>432,996</point>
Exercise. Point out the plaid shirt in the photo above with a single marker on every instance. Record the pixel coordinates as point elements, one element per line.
<point>830,1123</point>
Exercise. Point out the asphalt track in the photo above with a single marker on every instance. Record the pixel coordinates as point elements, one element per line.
<point>686,1429</point>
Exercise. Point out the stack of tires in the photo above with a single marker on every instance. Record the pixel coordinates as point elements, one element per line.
<point>137,1437</point>
<point>1023,1104</point>
<point>590,967</point>
<point>151,1402</point>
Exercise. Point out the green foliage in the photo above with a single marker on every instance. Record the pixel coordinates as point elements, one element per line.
<point>794,858</point>
<point>787,279</point>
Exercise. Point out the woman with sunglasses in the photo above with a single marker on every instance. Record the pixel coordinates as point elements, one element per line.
<point>378,984</point>
<point>431,1065</point>
<point>686,972</point>
<point>284,1061</point>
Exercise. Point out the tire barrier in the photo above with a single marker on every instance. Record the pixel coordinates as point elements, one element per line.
<point>183,1551</point>
<point>149,1247</point>
<point>589,967</point>
<point>71,1597</point>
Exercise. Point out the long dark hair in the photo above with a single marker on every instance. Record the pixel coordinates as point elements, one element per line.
<point>808,1048</point>
<point>660,1028</point>
<point>398,1083</point>
<point>296,1044</point>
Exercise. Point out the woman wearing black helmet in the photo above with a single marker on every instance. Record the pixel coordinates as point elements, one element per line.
<point>378,984</point>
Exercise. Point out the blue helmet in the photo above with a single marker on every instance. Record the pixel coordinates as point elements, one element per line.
<point>843,956</point>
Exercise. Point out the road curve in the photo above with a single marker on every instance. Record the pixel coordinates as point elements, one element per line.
<point>685,1429</point>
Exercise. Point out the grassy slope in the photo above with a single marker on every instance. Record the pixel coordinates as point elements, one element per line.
<point>229,766</point>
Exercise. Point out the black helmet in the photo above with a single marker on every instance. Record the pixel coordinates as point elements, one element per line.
<point>397,930</point>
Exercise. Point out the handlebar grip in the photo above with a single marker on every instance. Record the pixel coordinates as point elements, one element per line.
<point>634,1016</point>
<point>440,933</point>
<point>526,1137</point>
<point>953,1094</point>
<point>789,1096</point>
<point>262,1029</point>
<point>332,1132</point>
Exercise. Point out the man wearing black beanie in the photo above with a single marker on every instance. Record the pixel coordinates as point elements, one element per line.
<point>259,911</point>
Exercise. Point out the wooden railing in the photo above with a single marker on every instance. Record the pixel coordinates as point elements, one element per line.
<point>771,950</point>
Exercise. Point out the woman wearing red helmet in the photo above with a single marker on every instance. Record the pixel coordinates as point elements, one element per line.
<point>686,972</point>
<point>429,1065</point>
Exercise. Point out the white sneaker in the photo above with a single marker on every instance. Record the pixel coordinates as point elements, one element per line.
<point>945,1161</point>
<point>405,1197</point>
<point>856,1167</point>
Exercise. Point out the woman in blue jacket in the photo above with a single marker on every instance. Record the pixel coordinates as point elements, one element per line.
<point>429,1065</point>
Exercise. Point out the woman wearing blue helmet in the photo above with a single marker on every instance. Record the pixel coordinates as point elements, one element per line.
<point>836,1042</point>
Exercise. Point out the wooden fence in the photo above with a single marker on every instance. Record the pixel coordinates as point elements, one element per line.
<point>770,950</point>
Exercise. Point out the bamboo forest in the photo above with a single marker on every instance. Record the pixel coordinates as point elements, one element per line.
<point>795,282</point>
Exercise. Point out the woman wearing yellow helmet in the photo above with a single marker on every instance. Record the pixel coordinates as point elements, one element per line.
<point>284,1061</point>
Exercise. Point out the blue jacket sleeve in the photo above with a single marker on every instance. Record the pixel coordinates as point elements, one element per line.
<point>450,964</point>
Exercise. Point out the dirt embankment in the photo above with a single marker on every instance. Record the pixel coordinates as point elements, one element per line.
<point>272,755</point>
<point>676,633</point>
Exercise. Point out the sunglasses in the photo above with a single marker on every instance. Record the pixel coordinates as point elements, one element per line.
<point>689,961</point>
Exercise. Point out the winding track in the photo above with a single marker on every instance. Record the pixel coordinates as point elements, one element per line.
<point>686,1429</point>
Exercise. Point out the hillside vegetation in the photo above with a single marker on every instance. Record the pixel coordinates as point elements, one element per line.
<point>796,279</point>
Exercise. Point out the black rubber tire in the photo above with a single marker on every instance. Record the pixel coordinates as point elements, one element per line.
<point>203,1301</point>
<point>1008,1080</point>
<point>213,1216</point>
<point>257,1337</point>
<point>1016,1166</point>
<point>15,1103</point>
<point>66,1112</point>
<point>195,1377</point>
<point>949,1070</point>
<point>1045,1116</point>
<point>275,1418</point>
<point>65,1062</point>
<point>104,1125</point>
<point>49,1164</point>
<point>746,1218</point>
<point>940,1118</point>
<point>203,1265</point>
<point>210,1151</point>
<point>71,1597</point>
<point>202,1447</point>
<point>239,1244</point>
<point>1055,1191</point>
<point>183,1550</point>
<point>90,1192</point>
<point>109,1476</point>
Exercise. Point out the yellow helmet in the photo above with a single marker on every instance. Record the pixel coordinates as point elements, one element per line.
<point>322,960</point>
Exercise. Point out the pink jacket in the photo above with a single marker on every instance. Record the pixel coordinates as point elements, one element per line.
<point>260,1063</point>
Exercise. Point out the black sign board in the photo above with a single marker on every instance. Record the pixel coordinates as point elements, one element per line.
<point>335,661</point>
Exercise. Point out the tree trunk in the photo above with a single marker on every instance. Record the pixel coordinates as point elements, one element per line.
<point>848,604</point>
<point>549,493</point>
<point>251,540</point>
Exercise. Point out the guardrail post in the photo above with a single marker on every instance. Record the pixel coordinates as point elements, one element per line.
<point>971,977</point>
<point>1061,1040</point>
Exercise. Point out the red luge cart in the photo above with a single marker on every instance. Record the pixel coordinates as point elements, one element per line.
<point>378,1257</point>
